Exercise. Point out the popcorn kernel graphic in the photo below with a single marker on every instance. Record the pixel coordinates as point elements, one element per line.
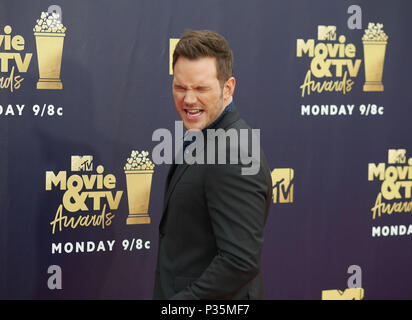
<point>49,33</point>
<point>139,172</point>
<point>374,48</point>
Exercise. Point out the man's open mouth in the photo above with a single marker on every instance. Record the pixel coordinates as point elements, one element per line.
<point>193,112</point>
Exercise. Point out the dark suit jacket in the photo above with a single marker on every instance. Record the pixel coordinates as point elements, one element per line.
<point>211,231</point>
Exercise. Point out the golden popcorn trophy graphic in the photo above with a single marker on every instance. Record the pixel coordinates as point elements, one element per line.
<point>139,172</point>
<point>374,47</point>
<point>172,45</point>
<point>49,33</point>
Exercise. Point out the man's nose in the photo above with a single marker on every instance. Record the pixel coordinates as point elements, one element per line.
<point>190,97</point>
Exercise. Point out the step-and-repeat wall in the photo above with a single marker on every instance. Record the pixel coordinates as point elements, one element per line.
<point>84,85</point>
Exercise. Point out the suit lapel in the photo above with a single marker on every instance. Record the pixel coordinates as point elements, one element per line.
<point>173,181</point>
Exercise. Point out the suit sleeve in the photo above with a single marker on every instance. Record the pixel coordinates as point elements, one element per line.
<point>237,205</point>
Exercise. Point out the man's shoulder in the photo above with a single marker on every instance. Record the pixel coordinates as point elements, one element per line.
<point>234,142</point>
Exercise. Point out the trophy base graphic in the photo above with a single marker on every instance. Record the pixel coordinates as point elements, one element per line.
<point>373,86</point>
<point>138,219</point>
<point>49,84</point>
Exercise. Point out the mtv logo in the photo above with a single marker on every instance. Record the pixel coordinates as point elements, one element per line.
<point>396,156</point>
<point>326,33</point>
<point>348,294</point>
<point>82,163</point>
<point>172,45</point>
<point>282,183</point>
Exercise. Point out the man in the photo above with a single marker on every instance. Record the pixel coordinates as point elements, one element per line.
<point>211,231</point>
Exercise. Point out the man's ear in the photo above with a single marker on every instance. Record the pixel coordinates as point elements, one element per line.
<point>229,88</point>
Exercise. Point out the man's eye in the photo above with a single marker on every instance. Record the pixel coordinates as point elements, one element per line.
<point>203,89</point>
<point>178,88</point>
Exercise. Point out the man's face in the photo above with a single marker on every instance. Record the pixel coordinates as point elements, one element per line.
<point>197,92</point>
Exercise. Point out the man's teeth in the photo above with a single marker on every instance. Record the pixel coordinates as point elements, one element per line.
<point>194,112</point>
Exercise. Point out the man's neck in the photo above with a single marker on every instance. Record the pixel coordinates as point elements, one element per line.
<point>225,110</point>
